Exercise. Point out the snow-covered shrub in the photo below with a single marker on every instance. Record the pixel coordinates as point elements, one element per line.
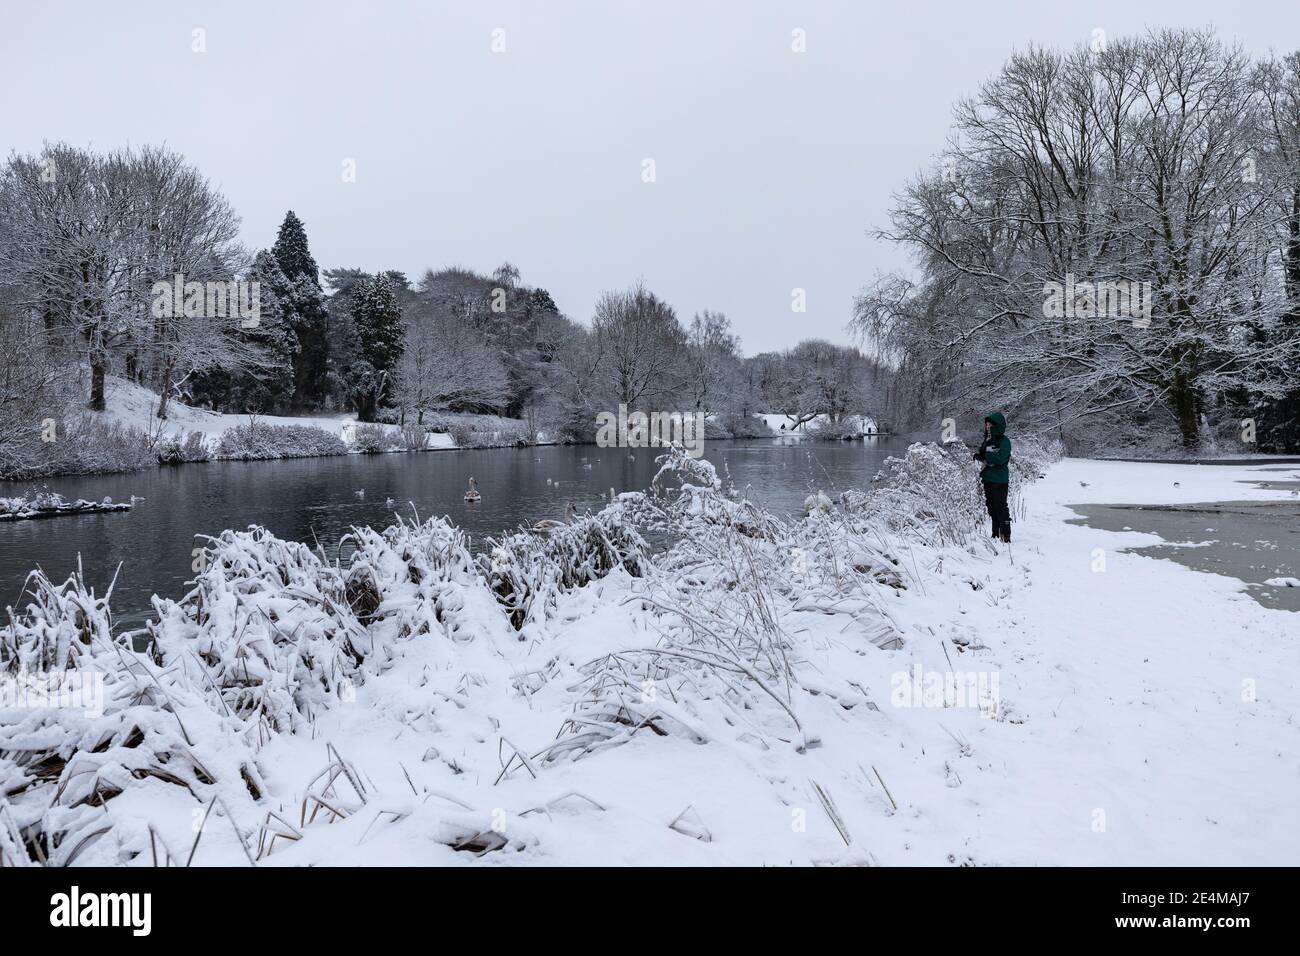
<point>414,577</point>
<point>722,597</point>
<point>527,571</point>
<point>83,446</point>
<point>414,437</point>
<point>502,434</point>
<point>373,439</point>
<point>932,492</point>
<point>686,492</point>
<point>1031,456</point>
<point>271,625</point>
<point>133,726</point>
<point>747,426</point>
<point>255,441</point>
<point>178,449</point>
<point>826,430</point>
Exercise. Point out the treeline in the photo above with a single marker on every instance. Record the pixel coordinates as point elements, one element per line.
<point>1109,250</point>
<point>128,264</point>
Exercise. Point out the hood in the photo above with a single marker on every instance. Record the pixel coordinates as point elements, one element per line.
<point>999,423</point>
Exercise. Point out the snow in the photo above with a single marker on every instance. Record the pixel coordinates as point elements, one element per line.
<point>774,421</point>
<point>134,405</point>
<point>1142,714</point>
<point>1083,481</point>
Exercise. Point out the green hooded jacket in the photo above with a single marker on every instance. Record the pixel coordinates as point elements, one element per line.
<point>995,451</point>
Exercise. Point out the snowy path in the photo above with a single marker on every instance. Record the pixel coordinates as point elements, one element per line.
<point>1135,685</point>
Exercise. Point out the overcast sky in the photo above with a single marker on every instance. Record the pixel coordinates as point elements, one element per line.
<point>771,166</point>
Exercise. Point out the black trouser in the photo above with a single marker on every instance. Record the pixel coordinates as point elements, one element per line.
<point>995,498</point>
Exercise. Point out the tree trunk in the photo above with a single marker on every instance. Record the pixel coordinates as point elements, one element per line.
<point>1183,400</point>
<point>164,389</point>
<point>97,382</point>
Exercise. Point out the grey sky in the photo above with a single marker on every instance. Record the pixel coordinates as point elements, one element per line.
<point>771,165</point>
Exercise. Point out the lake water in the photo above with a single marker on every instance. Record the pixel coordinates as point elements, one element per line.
<point>1252,541</point>
<point>316,499</point>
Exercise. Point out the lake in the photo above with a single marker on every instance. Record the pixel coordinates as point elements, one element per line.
<point>312,499</point>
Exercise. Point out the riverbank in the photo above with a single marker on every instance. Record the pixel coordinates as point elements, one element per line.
<point>1132,712</point>
<point>127,436</point>
<point>319,499</point>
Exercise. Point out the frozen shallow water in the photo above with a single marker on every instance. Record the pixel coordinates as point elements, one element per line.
<point>1252,541</point>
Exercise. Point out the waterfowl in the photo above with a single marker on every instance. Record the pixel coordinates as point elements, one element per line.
<point>388,503</point>
<point>550,524</point>
<point>472,494</point>
<point>360,493</point>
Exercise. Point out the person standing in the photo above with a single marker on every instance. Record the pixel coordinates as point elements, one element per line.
<point>995,453</point>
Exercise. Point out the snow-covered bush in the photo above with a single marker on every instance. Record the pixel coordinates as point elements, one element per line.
<point>255,441</point>
<point>686,493</point>
<point>849,429</point>
<point>932,492</point>
<point>414,577</point>
<point>179,449</point>
<point>132,726</point>
<point>527,571</point>
<point>270,622</point>
<point>1031,456</point>
<point>472,435</point>
<point>414,437</point>
<point>82,446</point>
<point>747,426</point>
<point>373,439</point>
<point>722,597</point>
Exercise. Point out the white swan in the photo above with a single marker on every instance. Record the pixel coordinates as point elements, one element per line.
<point>472,494</point>
<point>550,524</point>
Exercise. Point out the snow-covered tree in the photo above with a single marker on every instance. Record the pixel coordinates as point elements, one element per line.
<point>305,307</point>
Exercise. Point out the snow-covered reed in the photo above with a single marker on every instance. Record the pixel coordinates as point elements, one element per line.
<point>933,493</point>
<point>708,640</point>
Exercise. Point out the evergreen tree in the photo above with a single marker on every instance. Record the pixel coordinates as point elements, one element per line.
<point>377,319</point>
<point>305,307</point>
<point>379,324</point>
<point>291,251</point>
<point>266,384</point>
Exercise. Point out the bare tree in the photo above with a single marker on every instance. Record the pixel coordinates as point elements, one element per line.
<point>1091,173</point>
<point>642,345</point>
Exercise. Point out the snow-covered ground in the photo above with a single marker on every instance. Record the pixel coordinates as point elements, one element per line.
<point>134,405</point>
<point>775,421</point>
<point>1142,713</point>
